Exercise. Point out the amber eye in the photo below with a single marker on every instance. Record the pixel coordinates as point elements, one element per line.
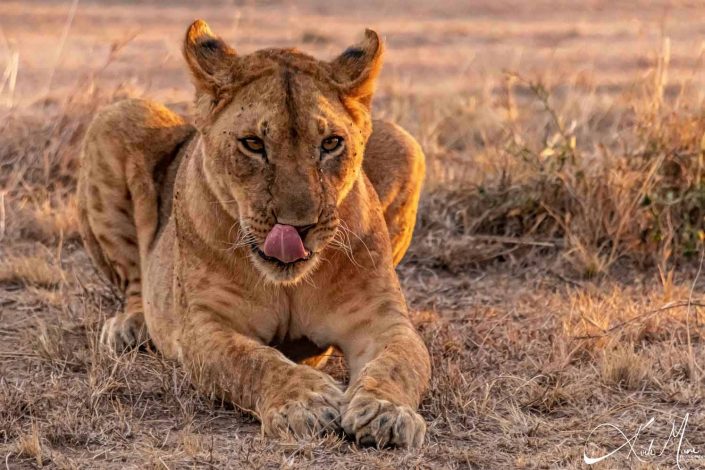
<point>331,144</point>
<point>253,144</point>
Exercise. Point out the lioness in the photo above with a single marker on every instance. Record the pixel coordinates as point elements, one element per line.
<point>250,243</point>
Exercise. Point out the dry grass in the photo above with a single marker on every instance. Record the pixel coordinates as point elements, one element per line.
<point>554,275</point>
<point>592,199</point>
<point>30,271</point>
<point>29,446</point>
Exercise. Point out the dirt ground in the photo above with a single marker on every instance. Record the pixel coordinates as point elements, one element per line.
<point>543,351</point>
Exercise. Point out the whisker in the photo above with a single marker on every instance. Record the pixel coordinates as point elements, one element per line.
<point>243,238</point>
<point>341,241</point>
<point>347,229</point>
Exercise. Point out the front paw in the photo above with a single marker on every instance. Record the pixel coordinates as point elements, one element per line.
<point>380,423</point>
<point>124,331</point>
<point>306,404</point>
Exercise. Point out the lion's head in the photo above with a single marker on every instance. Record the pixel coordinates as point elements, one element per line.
<point>283,139</point>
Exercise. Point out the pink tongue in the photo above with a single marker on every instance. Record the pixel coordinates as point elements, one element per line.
<point>284,243</point>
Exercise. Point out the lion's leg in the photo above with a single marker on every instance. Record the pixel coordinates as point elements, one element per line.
<point>287,397</point>
<point>389,370</point>
<point>395,165</point>
<point>110,235</point>
<point>118,201</point>
<point>365,315</point>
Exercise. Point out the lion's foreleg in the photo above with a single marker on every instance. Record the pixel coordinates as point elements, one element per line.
<point>285,396</point>
<point>390,370</point>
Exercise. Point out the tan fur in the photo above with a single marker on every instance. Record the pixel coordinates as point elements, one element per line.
<point>174,215</point>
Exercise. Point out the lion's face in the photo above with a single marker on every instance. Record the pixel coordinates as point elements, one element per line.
<point>285,152</point>
<point>283,140</point>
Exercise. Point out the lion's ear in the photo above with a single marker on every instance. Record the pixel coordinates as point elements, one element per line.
<point>357,68</point>
<point>208,57</point>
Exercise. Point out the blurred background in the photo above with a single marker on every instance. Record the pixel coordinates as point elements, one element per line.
<point>435,48</point>
<point>501,95</point>
<point>555,271</point>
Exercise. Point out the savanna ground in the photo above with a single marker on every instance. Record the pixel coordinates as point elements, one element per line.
<point>555,272</point>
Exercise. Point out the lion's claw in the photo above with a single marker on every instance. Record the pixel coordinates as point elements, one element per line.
<point>380,423</point>
<point>123,332</point>
<point>312,410</point>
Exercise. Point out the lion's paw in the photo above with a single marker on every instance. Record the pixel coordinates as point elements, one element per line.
<point>380,423</point>
<point>304,408</point>
<point>123,332</point>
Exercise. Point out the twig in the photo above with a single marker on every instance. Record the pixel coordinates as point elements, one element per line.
<point>2,215</point>
<point>566,279</point>
<point>9,78</point>
<point>38,358</point>
<point>693,364</point>
<point>20,354</point>
<point>62,43</point>
<point>512,240</point>
<point>649,313</point>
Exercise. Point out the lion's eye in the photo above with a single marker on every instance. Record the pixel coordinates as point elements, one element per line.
<point>331,144</point>
<point>253,144</point>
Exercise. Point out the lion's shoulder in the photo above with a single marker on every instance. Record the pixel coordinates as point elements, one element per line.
<point>145,126</point>
<point>390,148</point>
